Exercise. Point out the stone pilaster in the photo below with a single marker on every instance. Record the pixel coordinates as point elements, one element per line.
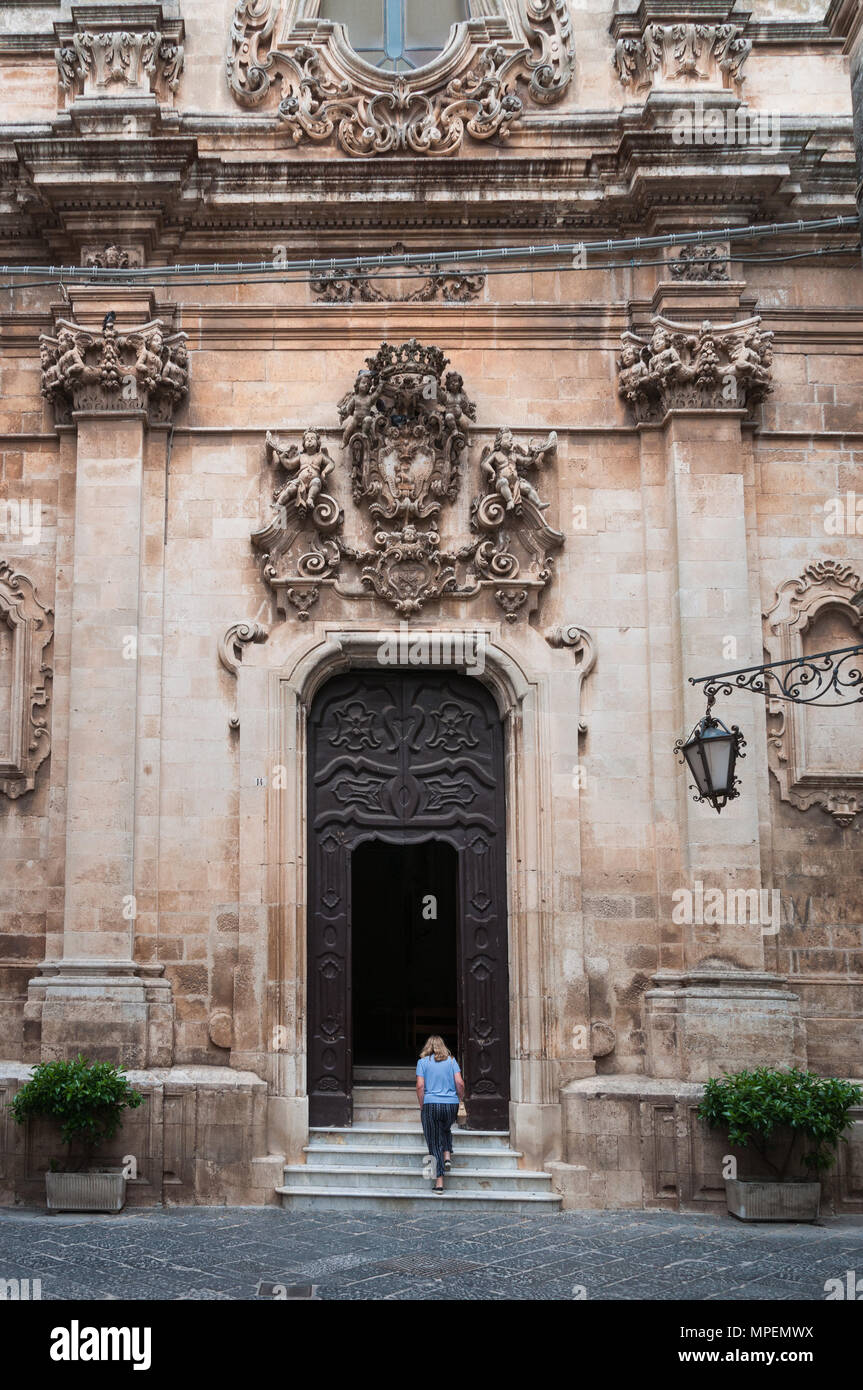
<point>694,388</point>
<point>113,372</point>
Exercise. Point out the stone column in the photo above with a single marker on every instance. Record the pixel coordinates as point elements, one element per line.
<point>113,372</point>
<point>694,387</point>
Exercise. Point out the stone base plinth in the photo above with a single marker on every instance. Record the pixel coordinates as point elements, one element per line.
<point>637,1142</point>
<point>111,1011</point>
<point>199,1138</point>
<point>703,1022</point>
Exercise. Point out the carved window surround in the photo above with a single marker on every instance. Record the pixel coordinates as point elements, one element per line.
<point>825,584</point>
<point>667,44</point>
<point>25,739</point>
<point>115,50</point>
<point>325,91</point>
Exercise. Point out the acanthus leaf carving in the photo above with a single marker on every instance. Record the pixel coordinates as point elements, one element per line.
<point>678,52</point>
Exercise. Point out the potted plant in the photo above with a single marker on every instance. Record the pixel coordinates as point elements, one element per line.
<point>794,1120</point>
<point>87,1100</point>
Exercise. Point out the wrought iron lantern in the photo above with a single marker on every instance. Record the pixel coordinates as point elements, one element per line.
<point>711,753</point>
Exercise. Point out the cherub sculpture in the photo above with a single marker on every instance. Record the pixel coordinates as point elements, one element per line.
<point>71,366</point>
<point>174,376</point>
<point>357,407</point>
<point>665,361</point>
<point>310,464</point>
<point>501,464</point>
<point>633,369</point>
<point>148,364</point>
<point>455,400</point>
<point>750,355</point>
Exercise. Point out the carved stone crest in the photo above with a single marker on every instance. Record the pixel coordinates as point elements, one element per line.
<point>404,444</point>
<point>715,367</point>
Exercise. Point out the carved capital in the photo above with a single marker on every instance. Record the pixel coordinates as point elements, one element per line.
<point>128,53</point>
<point>26,630</point>
<point>471,90</point>
<point>714,367</point>
<point>143,369</point>
<point>684,50</point>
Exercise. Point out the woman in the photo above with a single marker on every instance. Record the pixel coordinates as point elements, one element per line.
<point>439,1089</point>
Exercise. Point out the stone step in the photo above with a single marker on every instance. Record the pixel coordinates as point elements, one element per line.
<point>385,1095</point>
<point>385,1076</point>
<point>376,1179</point>
<point>409,1203</point>
<point>394,1134</point>
<point>408,1156</point>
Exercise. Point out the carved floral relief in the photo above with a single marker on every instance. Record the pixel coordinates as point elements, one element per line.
<point>26,631</point>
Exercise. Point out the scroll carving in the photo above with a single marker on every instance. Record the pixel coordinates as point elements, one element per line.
<point>26,630</point>
<point>325,94</point>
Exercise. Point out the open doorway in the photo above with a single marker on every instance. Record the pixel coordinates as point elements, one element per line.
<point>404,948</point>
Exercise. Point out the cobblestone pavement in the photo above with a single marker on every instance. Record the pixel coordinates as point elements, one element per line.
<point>226,1252</point>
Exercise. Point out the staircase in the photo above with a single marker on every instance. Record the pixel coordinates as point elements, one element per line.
<point>377,1163</point>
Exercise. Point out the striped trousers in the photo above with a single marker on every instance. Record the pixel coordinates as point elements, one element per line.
<point>437,1122</point>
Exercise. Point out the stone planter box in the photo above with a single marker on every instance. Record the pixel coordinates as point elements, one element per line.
<point>85,1191</point>
<point>773,1201</point>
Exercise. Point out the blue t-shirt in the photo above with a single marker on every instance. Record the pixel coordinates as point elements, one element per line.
<point>439,1078</point>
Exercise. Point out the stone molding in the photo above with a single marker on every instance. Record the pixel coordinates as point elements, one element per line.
<point>714,367</point>
<point>143,369</point>
<point>666,44</point>
<point>823,584</point>
<point>25,742</point>
<point>582,644</point>
<point>405,428</point>
<point>105,51</point>
<point>328,93</point>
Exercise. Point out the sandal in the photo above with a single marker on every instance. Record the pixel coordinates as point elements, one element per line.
<point>438,1191</point>
<point>447,1163</point>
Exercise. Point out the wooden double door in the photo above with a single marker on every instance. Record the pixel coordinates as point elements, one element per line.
<point>407,759</point>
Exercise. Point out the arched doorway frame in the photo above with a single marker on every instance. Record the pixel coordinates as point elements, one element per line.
<point>522,702</point>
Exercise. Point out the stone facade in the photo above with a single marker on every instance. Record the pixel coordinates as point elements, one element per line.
<point>615,476</point>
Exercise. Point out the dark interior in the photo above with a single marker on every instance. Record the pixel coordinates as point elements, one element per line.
<point>404,963</point>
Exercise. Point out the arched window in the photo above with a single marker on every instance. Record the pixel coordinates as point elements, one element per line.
<point>396,35</point>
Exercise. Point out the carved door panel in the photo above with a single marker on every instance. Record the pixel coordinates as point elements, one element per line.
<point>419,756</point>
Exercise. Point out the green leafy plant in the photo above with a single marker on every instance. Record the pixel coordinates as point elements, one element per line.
<point>759,1107</point>
<point>86,1099</point>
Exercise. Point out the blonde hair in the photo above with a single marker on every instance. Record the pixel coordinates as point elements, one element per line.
<point>436,1045</point>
